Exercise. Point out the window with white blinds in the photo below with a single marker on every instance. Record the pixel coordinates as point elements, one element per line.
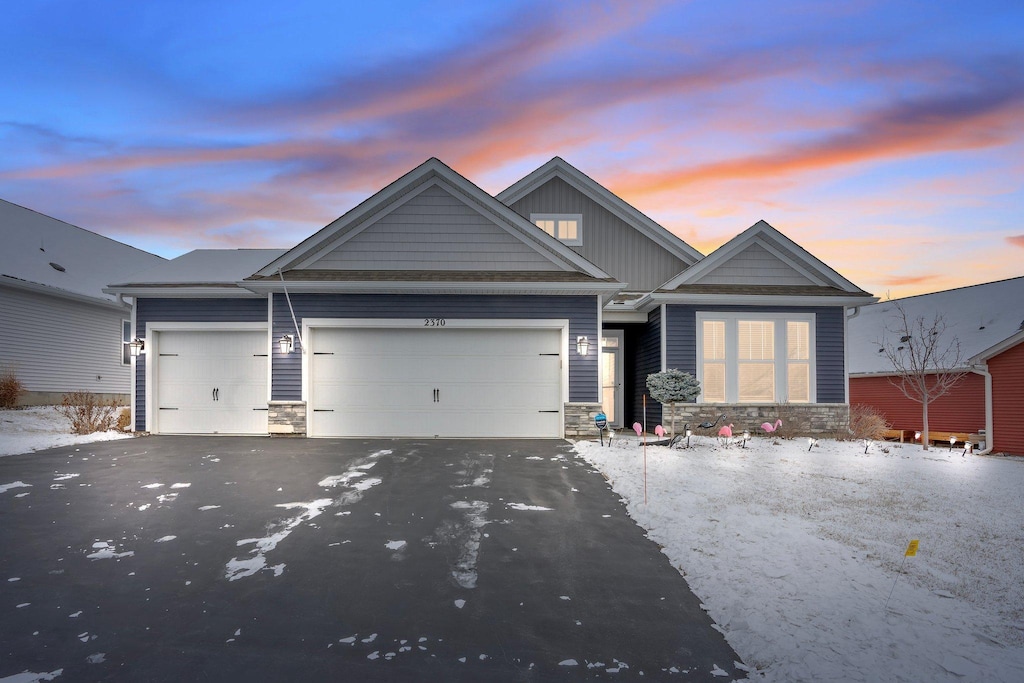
<point>756,358</point>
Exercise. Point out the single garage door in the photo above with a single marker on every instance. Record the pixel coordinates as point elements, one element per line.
<point>211,382</point>
<point>446,382</point>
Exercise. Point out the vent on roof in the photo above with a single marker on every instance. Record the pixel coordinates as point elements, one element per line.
<point>57,267</point>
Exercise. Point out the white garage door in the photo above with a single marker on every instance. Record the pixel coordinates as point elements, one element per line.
<point>446,382</point>
<point>211,382</point>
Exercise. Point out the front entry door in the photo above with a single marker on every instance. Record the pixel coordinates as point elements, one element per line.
<point>611,376</point>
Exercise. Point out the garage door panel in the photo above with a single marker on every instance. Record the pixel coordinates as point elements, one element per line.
<point>490,382</point>
<point>211,382</point>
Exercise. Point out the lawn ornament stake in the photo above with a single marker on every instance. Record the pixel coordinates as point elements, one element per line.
<point>601,421</point>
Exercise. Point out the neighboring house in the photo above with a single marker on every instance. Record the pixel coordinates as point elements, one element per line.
<point>435,309</point>
<point>59,331</point>
<point>988,322</point>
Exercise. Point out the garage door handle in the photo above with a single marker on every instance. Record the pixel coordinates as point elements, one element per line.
<point>547,411</point>
<point>168,409</point>
<point>323,410</point>
<point>549,354</point>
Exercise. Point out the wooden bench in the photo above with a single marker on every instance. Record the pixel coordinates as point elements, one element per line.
<point>934,436</point>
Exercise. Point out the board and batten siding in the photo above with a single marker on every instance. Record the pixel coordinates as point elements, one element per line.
<point>648,361</point>
<point>961,410</point>
<point>681,342</point>
<point>57,345</point>
<point>755,265</point>
<point>609,242</point>
<point>187,311</point>
<point>580,311</point>
<point>434,231</point>
<point>1007,404</point>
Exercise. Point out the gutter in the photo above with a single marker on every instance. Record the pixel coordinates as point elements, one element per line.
<point>982,370</point>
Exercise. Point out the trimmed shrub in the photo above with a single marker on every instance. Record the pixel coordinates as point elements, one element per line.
<point>671,387</point>
<point>10,389</point>
<point>87,412</point>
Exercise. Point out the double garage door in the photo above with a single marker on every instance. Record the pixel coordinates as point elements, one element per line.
<point>368,382</point>
<point>427,382</point>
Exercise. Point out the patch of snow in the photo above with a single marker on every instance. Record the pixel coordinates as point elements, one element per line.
<point>568,662</point>
<point>151,486</point>
<point>181,485</point>
<point>370,638</point>
<point>463,536</point>
<point>208,507</point>
<point>30,677</point>
<point>815,542</point>
<point>239,569</point>
<point>4,488</point>
<point>97,658</point>
<point>65,477</point>
<point>166,497</point>
<point>105,550</point>
<point>42,427</point>
<point>144,507</point>
<point>460,603</point>
<point>75,615</point>
<point>524,506</point>
<point>164,539</point>
<point>394,545</point>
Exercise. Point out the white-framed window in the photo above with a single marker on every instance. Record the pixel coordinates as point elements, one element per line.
<point>567,227</point>
<point>755,357</point>
<point>126,337</point>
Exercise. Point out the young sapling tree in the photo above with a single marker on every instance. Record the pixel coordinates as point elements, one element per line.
<point>926,358</point>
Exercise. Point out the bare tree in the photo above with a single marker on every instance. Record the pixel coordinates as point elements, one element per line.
<point>928,362</point>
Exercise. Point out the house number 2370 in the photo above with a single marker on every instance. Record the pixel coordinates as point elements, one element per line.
<point>433,322</point>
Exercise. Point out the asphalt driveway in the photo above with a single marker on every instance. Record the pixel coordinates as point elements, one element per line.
<point>245,559</point>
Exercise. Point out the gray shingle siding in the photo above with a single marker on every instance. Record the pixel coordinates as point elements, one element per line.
<point>187,310</point>
<point>681,342</point>
<point>581,311</point>
<point>648,360</point>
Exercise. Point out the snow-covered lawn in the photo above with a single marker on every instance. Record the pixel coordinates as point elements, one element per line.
<point>794,553</point>
<point>34,429</point>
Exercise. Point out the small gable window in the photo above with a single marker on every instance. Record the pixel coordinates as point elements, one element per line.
<point>566,227</point>
<point>126,337</point>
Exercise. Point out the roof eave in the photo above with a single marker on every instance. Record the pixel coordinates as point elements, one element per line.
<point>63,293</point>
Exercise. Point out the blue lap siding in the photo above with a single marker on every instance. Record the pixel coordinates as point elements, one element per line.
<point>192,311</point>
<point>580,311</point>
<point>681,342</point>
<point>648,361</point>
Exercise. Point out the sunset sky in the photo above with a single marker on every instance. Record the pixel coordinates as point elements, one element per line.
<point>885,137</point>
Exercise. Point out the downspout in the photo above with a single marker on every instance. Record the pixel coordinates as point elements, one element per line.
<point>989,441</point>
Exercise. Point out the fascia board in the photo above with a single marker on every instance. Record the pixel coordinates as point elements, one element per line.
<point>63,293</point>
<point>757,300</point>
<point>603,288</point>
<point>234,291</point>
<point>620,208</point>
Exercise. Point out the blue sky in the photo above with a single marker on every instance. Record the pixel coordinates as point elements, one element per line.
<point>887,138</point>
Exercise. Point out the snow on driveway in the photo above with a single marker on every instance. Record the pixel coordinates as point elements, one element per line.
<point>795,551</point>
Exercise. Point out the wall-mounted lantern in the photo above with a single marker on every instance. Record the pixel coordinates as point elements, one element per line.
<point>136,346</point>
<point>582,346</point>
<point>286,343</point>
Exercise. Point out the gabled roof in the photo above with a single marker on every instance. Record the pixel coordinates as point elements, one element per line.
<point>795,261</point>
<point>984,318</point>
<point>556,255</point>
<point>48,255</point>
<point>560,168</point>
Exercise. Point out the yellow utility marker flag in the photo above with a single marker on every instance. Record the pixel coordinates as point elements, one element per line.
<point>912,549</point>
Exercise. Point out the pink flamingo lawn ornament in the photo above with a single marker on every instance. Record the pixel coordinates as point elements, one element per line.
<point>726,431</point>
<point>659,431</point>
<point>638,428</point>
<point>769,427</point>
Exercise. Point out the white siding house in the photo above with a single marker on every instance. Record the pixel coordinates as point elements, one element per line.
<point>58,331</point>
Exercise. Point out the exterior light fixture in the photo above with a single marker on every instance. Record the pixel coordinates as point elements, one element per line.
<point>917,436</point>
<point>582,346</point>
<point>746,438</point>
<point>136,346</point>
<point>952,441</point>
<point>286,343</point>
<point>811,443</point>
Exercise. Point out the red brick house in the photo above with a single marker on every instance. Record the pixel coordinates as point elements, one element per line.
<point>988,321</point>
